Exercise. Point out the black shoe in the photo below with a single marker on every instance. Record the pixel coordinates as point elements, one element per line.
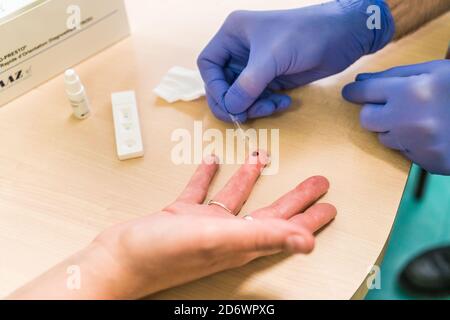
<point>429,273</point>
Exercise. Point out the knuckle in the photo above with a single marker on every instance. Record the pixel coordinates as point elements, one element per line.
<point>262,242</point>
<point>204,59</point>
<point>236,17</point>
<point>309,244</point>
<point>437,161</point>
<point>420,89</point>
<point>428,129</point>
<point>201,60</point>
<point>267,212</point>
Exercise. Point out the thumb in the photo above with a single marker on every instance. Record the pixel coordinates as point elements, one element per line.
<point>265,235</point>
<point>251,83</point>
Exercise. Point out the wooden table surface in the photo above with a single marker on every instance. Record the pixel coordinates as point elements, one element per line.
<point>61,182</point>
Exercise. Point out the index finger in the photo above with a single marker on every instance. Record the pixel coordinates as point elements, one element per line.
<point>197,188</point>
<point>375,91</point>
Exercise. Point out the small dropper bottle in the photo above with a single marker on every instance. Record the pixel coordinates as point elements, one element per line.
<point>77,95</point>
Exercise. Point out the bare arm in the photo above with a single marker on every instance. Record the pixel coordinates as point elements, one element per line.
<point>409,15</point>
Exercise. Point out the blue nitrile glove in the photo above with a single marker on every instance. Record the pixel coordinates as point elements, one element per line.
<point>256,54</point>
<point>409,107</point>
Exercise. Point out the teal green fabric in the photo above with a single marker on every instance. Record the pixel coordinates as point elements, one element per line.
<point>420,225</point>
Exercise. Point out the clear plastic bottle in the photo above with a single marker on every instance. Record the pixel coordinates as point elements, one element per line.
<point>77,95</point>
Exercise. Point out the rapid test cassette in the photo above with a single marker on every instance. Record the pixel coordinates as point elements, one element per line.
<point>126,122</point>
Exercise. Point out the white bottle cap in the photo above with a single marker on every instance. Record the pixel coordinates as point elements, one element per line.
<point>72,82</point>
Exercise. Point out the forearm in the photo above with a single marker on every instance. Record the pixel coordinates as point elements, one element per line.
<point>409,15</point>
<point>89,274</point>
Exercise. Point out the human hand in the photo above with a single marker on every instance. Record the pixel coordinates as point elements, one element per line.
<point>189,240</point>
<point>409,108</point>
<point>256,54</point>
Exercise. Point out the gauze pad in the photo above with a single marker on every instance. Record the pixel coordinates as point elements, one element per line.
<point>181,84</point>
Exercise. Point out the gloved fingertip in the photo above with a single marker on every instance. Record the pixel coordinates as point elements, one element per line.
<point>363,76</point>
<point>284,103</point>
<point>281,101</point>
<point>262,108</point>
<point>346,92</point>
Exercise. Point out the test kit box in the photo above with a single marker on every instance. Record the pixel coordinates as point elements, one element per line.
<point>41,38</point>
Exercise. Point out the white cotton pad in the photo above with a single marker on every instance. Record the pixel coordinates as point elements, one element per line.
<point>181,84</point>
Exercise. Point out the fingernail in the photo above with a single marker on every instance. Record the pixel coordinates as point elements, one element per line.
<point>295,244</point>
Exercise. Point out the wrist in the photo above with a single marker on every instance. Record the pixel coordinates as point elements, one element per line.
<point>88,274</point>
<point>109,276</point>
<point>101,275</point>
<point>371,22</point>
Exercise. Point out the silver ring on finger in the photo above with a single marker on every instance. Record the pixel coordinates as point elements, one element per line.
<point>219,204</point>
